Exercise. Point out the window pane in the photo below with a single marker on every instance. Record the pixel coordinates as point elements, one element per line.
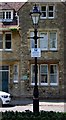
<point>15,73</point>
<point>8,45</point>
<point>50,11</point>
<point>32,41</point>
<point>53,74</point>
<point>53,40</point>
<point>43,41</point>
<point>50,8</point>
<point>1,37</point>
<point>50,14</point>
<point>8,37</point>
<point>43,68</point>
<point>33,78</point>
<point>1,45</point>
<point>8,15</point>
<point>1,41</point>
<point>15,68</point>
<point>53,69</point>
<point>53,78</point>
<point>4,67</point>
<point>15,77</point>
<point>43,78</point>
<point>1,15</point>
<point>33,73</point>
<point>43,73</point>
<point>8,41</point>
<point>43,9</point>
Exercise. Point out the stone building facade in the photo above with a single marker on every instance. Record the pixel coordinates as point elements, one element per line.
<point>16,63</point>
<point>9,48</point>
<point>51,64</point>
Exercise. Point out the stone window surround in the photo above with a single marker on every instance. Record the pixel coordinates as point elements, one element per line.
<point>4,14</point>
<point>48,76</point>
<point>48,11</point>
<point>44,31</point>
<point>4,41</point>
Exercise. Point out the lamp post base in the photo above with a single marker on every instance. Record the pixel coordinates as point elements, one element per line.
<point>35,100</point>
<point>36,105</point>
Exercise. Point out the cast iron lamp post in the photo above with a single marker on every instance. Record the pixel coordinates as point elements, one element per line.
<point>35,15</point>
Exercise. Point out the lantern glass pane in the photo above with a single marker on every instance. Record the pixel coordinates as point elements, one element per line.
<point>35,18</point>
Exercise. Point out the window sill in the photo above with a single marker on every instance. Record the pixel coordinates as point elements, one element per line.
<point>45,18</point>
<point>53,84</point>
<point>1,50</point>
<point>46,49</point>
<point>7,20</point>
<point>49,50</point>
<point>7,50</point>
<point>53,49</point>
<point>15,82</point>
<point>44,84</point>
<point>33,84</point>
<point>50,17</point>
<point>4,50</point>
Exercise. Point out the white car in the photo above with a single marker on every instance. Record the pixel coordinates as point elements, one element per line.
<point>4,98</point>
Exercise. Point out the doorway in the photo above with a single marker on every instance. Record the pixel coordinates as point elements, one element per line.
<point>4,77</point>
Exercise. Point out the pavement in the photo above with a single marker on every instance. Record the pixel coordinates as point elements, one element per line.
<point>26,101</point>
<point>27,104</point>
<point>45,106</point>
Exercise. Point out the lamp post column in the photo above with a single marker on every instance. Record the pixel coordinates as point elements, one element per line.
<point>35,92</point>
<point>35,15</point>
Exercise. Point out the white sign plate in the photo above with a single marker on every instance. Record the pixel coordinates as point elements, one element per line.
<point>35,52</point>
